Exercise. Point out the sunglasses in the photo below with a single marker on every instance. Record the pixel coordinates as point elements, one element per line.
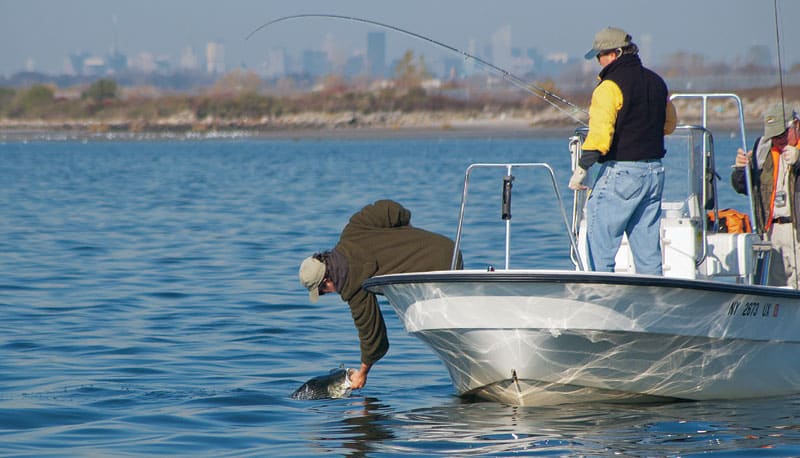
<point>599,55</point>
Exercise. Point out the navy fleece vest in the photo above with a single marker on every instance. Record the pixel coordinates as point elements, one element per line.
<point>639,130</point>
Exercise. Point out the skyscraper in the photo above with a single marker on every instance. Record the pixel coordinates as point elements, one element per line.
<point>315,63</point>
<point>189,60</point>
<point>501,47</point>
<point>215,58</point>
<point>376,54</point>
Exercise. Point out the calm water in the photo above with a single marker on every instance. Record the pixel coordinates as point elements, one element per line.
<point>149,306</point>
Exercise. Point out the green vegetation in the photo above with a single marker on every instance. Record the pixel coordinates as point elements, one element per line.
<point>101,101</point>
<point>35,101</point>
<point>101,90</point>
<point>241,98</point>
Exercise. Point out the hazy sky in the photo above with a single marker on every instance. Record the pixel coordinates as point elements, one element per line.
<point>42,33</point>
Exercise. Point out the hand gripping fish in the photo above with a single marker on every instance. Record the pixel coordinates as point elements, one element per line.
<point>334,385</point>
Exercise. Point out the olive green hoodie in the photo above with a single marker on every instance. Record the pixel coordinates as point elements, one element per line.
<point>379,240</point>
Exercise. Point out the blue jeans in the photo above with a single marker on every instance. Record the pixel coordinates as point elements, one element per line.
<point>626,199</point>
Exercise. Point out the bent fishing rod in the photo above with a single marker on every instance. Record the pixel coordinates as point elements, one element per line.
<point>554,100</point>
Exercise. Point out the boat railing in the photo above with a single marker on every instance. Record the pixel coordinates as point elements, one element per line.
<point>763,254</point>
<point>508,179</point>
<point>703,184</point>
<point>687,204</point>
<point>703,98</point>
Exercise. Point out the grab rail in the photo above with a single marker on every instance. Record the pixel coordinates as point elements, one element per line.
<point>704,107</point>
<point>506,206</point>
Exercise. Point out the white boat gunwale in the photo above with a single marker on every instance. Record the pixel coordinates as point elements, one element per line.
<point>375,284</point>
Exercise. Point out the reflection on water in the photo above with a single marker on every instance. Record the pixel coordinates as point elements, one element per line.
<point>607,428</point>
<point>366,426</point>
<point>484,428</point>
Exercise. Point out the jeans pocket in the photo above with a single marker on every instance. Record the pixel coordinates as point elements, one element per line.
<point>627,184</point>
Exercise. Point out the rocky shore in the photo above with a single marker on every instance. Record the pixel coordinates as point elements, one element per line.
<point>723,114</point>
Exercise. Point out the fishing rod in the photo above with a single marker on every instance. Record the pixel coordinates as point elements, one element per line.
<point>554,100</point>
<point>794,119</point>
<point>778,46</point>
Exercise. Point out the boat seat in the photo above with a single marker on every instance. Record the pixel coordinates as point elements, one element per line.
<point>732,255</point>
<point>680,243</point>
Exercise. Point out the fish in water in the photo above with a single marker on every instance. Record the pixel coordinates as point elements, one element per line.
<point>334,385</point>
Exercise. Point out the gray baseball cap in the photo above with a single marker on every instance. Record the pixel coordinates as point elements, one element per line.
<point>312,271</point>
<point>774,121</point>
<point>608,39</point>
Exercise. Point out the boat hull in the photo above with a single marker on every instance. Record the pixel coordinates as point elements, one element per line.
<point>540,337</point>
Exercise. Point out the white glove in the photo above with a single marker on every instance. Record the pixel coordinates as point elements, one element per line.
<point>789,154</point>
<point>576,182</point>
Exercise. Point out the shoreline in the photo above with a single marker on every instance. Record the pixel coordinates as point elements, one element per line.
<point>324,132</point>
<point>343,125</point>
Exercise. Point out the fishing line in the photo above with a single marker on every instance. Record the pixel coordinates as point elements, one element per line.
<point>778,46</point>
<point>554,100</point>
<point>783,110</point>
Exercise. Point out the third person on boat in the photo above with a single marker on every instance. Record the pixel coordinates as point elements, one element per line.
<point>774,178</point>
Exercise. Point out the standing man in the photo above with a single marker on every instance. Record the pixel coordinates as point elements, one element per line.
<point>774,176</point>
<point>629,115</point>
<point>378,240</point>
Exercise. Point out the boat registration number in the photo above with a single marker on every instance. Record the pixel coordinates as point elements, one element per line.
<point>753,309</point>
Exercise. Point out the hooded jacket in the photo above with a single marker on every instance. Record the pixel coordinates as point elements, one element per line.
<point>380,240</point>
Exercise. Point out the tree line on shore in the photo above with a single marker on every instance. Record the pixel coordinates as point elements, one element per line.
<point>239,96</point>
<point>102,101</point>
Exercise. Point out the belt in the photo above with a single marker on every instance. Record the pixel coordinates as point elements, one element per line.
<point>782,220</point>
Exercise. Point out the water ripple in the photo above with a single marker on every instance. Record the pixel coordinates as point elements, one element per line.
<point>149,306</point>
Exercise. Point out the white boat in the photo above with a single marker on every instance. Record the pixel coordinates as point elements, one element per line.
<point>707,329</point>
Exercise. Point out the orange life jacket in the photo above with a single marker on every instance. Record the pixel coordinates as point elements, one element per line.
<point>732,221</point>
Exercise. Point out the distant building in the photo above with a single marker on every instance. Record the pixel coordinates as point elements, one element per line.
<point>470,64</point>
<point>215,58</point>
<point>354,66</point>
<point>376,54</point>
<point>520,64</point>
<point>94,66</point>
<point>275,63</point>
<point>117,62</point>
<point>452,68</point>
<point>334,54</point>
<point>76,62</point>
<point>144,62</point>
<point>488,53</point>
<point>189,60</point>
<point>535,56</point>
<point>315,63</point>
<point>501,47</point>
<point>163,64</point>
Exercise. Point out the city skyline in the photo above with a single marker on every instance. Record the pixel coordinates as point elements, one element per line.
<point>178,32</point>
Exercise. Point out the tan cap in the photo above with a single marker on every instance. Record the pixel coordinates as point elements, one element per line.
<point>774,121</point>
<point>312,271</point>
<point>607,39</point>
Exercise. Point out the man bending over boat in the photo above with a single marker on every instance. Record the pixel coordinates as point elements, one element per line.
<point>774,176</point>
<point>378,240</point>
<point>629,115</point>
